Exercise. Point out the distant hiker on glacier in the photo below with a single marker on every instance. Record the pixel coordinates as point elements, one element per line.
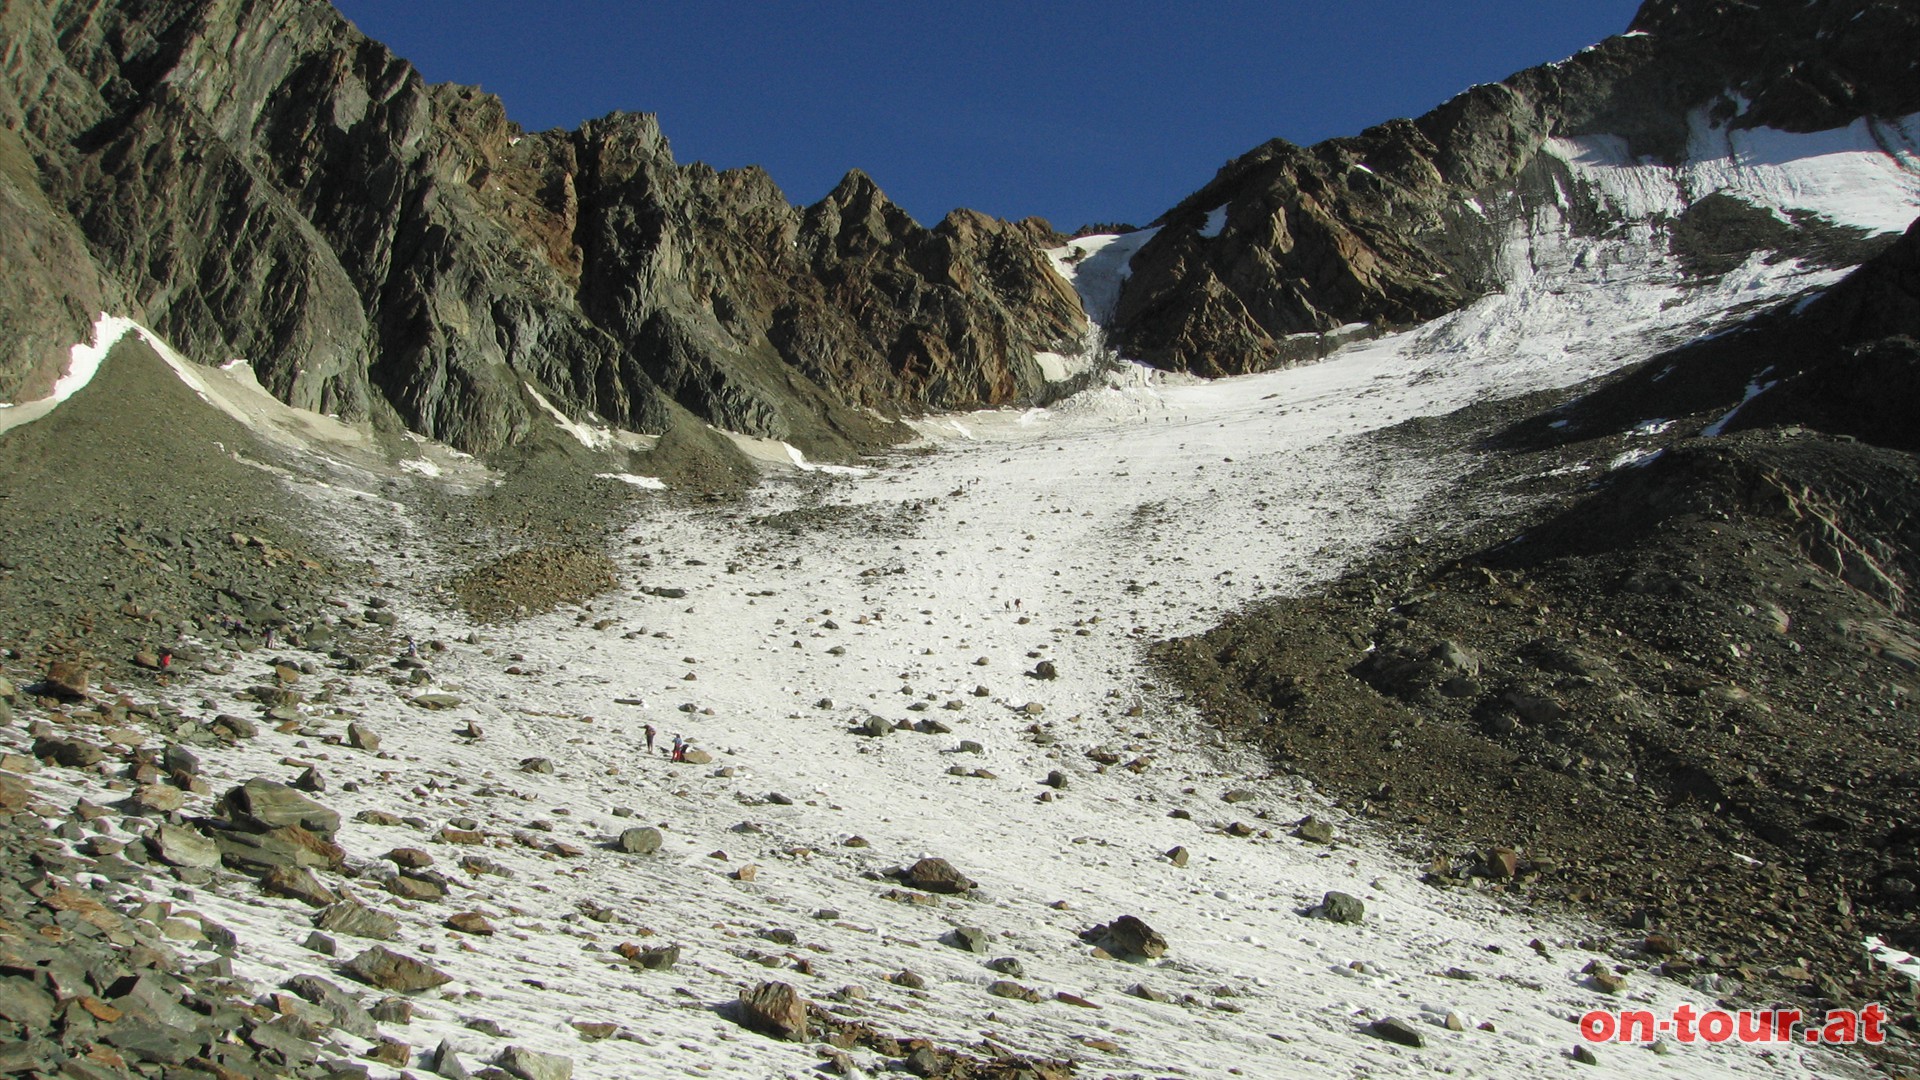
<point>679,749</point>
<point>650,734</point>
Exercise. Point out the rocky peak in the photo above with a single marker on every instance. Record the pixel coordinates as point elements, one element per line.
<point>262,180</point>
<point>1371,228</point>
<point>855,220</point>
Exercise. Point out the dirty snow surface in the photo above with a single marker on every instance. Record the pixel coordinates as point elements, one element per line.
<point>926,590</point>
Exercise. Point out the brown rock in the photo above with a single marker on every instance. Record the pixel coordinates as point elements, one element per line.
<point>1395,1030</point>
<point>1503,863</point>
<point>297,883</point>
<point>411,858</point>
<point>1128,936</point>
<point>385,969</point>
<point>350,917</point>
<point>178,846</point>
<point>72,753</point>
<point>66,679</point>
<point>159,798</point>
<point>264,805</point>
<point>533,1065</point>
<point>415,887</point>
<point>937,876</point>
<point>776,1009</point>
<point>471,922</point>
<point>1007,988</point>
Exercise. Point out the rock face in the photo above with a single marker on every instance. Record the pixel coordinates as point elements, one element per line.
<point>1399,224</point>
<point>1794,463</point>
<point>407,252</point>
<point>263,181</point>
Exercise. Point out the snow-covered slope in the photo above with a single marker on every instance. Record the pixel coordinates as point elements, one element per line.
<point>1866,175</point>
<point>1074,535</point>
<point>928,588</point>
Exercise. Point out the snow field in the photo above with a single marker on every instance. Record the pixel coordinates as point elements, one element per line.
<point>1138,510</point>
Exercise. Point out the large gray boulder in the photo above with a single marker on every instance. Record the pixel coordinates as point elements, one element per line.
<point>642,840</point>
<point>265,805</point>
<point>177,845</point>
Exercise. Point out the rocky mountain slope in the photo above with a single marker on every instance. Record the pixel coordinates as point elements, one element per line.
<point>407,253</point>
<point>1406,221</point>
<point>1382,715</point>
<point>1672,670</point>
<point>261,180</point>
<point>944,820</point>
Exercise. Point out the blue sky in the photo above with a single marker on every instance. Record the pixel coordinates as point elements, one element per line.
<point>1075,111</point>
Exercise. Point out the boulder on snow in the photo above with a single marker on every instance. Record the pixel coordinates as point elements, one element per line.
<point>179,846</point>
<point>937,876</point>
<point>1340,907</point>
<point>265,805</point>
<point>644,840</point>
<point>533,1065</point>
<point>1128,938</point>
<point>776,1009</point>
<point>385,969</point>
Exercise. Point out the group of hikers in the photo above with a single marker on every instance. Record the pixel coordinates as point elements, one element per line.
<point>680,745</point>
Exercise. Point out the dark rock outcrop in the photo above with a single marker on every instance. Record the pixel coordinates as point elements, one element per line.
<point>263,181</point>
<point>1400,223</point>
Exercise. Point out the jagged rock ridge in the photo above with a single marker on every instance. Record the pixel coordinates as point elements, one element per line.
<point>261,180</point>
<point>1392,227</point>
